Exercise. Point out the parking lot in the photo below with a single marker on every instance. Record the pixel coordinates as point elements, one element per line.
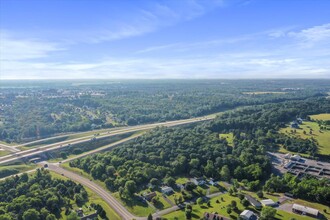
<point>299,167</point>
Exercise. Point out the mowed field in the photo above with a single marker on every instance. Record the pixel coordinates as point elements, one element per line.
<point>321,136</point>
<point>321,117</point>
<point>229,138</point>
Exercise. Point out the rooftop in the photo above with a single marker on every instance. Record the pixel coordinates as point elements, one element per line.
<point>305,209</point>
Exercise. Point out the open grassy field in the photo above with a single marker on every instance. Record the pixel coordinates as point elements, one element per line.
<point>321,136</point>
<point>229,138</point>
<point>93,198</point>
<point>7,170</point>
<point>321,117</point>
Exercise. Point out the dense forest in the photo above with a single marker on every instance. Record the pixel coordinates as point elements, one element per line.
<point>197,151</point>
<point>38,196</point>
<point>307,188</point>
<point>39,108</point>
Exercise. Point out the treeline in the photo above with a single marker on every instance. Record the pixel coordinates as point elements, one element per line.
<point>52,108</point>
<point>308,188</point>
<point>38,196</point>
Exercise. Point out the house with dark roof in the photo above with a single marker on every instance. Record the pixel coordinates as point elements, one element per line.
<point>253,201</point>
<point>149,196</point>
<point>294,125</point>
<point>198,181</point>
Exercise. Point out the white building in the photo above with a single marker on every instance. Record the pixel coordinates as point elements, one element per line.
<point>166,190</point>
<point>295,157</point>
<point>268,202</point>
<point>248,215</point>
<point>304,210</point>
<point>287,156</point>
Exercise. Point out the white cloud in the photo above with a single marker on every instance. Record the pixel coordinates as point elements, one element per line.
<point>220,66</point>
<point>314,34</point>
<point>23,49</point>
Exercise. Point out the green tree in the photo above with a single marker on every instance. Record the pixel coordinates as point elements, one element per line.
<point>229,210</point>
<point>5,217</point>
<point>194,163</point>
<point>245,203</point>
<point>268,213</point>
<point>31,214</point>
<point>51,217</point>
<point>260,194</point>
<point>130,186</point>
<point>233,204</point>
<point>199,201</point>
<point>225,173</point>
<point>73,216</point>
<point>150,217</point>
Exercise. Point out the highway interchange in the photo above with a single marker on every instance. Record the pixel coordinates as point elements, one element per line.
<point>17,154</point>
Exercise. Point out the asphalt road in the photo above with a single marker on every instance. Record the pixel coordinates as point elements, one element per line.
<point>50,147</point>
<point>9,148</point>
<point>106,196</point>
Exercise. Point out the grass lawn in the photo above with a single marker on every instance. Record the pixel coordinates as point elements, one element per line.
<point>182,180</point>
<point>213,189</point>
<point>322,137</point>
<point>136,207</point>
<point>18,168</point>
<point>321,117</point>
<point>314,205</point>
<point>198,211</point>
<point>280,214</point>
<point>229,138</point>
<point>4,152</point>
<point>162,204</point>
<point>175,195</point>
<point>274,196</point>
<point>93,198</point>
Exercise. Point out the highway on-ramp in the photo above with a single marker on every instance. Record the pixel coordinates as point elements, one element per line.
<point>106,196</point>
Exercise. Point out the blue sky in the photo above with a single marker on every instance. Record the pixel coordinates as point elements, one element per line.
<point>63,39</point>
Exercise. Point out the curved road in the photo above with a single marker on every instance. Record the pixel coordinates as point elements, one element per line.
<point>106,196</point>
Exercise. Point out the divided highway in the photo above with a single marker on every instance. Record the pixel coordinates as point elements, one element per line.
<point>105,195</point>
<point>39,150</point>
